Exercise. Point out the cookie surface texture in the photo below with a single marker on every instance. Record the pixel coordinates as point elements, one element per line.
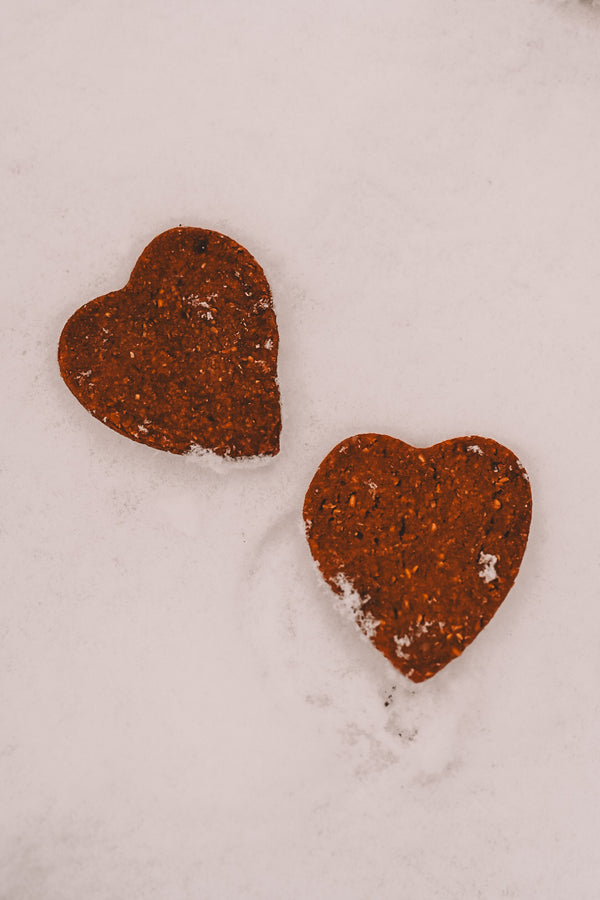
<point>420,545</point>
<point>184,357</point>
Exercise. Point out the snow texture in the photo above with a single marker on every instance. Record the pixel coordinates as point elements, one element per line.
<point>351,605</point>
<point>402,643</point>
<point>406,640</point>
<point>184,713</point>
<point>488,561</point>
<point>475,448</point>
<point>225,464</point>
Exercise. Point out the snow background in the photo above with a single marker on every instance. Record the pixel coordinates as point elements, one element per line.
<point>183,713</point>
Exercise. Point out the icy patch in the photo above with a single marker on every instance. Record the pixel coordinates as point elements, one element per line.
<point>350,604</point>
<point>475,448</point>
<point>522,470</point>
<point>488,563</point>
<point>268,344</point>
<point>223,464</point>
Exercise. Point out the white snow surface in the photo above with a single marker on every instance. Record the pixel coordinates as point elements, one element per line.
<point>184,714</point>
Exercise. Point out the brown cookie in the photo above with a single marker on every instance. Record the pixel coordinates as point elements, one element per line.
<point>184,357</point>
<point>421,545</point>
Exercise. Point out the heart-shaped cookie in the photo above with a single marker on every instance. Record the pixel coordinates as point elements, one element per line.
<point>420,545</point>
<point>184,357</point>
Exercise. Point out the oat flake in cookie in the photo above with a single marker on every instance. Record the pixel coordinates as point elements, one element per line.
<point>420,545</point>
<point>184,357</point>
